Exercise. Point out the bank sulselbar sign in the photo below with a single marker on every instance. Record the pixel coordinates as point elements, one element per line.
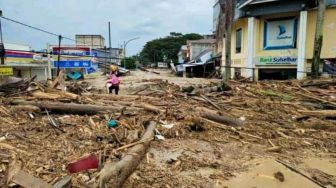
<point>284,60</point>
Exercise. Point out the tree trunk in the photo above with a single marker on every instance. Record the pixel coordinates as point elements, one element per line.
<point>117,173</point>
<point>222,118</point>
<point>72,108</point>
<point>318,38</point>
<point>229,10</point>
<point>321,113</point>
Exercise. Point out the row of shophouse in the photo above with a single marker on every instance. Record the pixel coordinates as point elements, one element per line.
<point>88,56</point>
<point>274,39</point>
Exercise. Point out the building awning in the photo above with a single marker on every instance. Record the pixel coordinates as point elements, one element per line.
<point>252,2</point>
<point>27,65</point>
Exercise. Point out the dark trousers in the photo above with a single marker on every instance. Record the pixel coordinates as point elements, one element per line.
<point>115,88</point>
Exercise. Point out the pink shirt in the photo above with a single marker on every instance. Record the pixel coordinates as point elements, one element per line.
<point>114,80</point>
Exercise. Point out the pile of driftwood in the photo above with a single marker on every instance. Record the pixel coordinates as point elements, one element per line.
<point>240,111</point>
<point>15,86</point>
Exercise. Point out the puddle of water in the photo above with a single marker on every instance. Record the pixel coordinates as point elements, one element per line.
<point>261,175</point>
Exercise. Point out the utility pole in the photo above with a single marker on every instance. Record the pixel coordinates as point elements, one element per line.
<point>59,54</point>
<point>49,62</point>
<point>125,45</point>
<point>124,60</point>
<point>318,38</point>
<point>110,51</point>
<point>229,15</point>
<point>2,46</point>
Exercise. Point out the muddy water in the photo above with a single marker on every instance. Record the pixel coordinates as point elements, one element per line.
<point>325,165</point>
<point>261,175</point>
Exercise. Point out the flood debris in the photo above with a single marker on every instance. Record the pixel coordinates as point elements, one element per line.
<point>204,129</point>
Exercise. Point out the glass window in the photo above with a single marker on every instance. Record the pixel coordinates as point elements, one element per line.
<point>238,41</point>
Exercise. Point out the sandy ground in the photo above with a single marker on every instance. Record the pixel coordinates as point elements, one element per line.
<point>138,78</point>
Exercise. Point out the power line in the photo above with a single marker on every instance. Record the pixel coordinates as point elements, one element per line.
<point>32,27</point>
<point>40,29</point>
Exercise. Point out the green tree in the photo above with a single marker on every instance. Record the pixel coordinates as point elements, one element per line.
<point>129,63</point>
<point>169,46</point>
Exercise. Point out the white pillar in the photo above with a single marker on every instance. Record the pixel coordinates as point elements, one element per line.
<point>250,46</point>
<point>49,62</point>
<point>46,73</point>
<point>302,45</point>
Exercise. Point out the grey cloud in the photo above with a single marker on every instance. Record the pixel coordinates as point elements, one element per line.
<point>147,19</point>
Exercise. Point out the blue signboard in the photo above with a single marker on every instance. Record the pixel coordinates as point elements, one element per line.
<point>72,64</point>
<point>280,33</point>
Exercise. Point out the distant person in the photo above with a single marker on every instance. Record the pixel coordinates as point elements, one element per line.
<point>113,82</point>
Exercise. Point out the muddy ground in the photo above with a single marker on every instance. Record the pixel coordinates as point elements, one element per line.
<point>196,152</point>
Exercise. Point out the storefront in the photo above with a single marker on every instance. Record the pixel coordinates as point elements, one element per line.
<point>277,43</point>
<point>276,68</point>
<point>26,64</point>
<point>73,59</point>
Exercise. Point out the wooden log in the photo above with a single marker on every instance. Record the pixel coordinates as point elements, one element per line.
<point>27,108</point>
<point>320,83</point>
<point>117,173</point>
<point>72,108</point>
<point>146,106</point>
<point>42,95</point>
<point>318,99</point>
<point>320,113</point>
<point>119,97</point>
<point>225,119</point>
<point>70,95</point>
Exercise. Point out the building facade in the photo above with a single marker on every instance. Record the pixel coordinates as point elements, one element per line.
<point>182,55</point>
<point>92,41</point>
<point>24,63</point>
<point>275,39</point>
<point>196,47</point>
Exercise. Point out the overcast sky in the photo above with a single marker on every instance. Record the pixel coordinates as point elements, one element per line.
<point>147,19</point>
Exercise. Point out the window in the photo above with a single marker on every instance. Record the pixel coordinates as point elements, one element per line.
<point>238,41</point>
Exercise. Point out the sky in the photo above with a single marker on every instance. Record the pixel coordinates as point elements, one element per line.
<point>147,19</point>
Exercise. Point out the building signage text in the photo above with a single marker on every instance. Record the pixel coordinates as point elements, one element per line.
<point>72,64</point>
<point>277,60</point>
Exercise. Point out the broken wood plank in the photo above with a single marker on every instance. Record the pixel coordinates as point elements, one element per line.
<point>28,181</point>
<point>63,183</point>
<point>57,80</point>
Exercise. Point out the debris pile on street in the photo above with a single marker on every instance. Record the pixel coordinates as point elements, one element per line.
<point>88,139</point>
